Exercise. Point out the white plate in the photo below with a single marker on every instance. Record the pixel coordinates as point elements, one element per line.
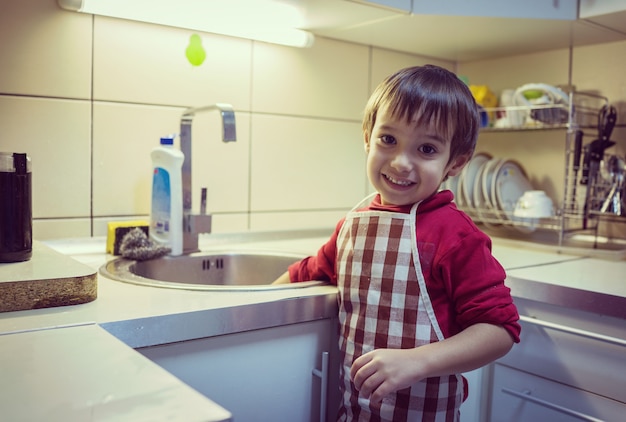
<point>509,184</point>
<point>459,189</point>
<point>469,177</point>
<point>481,202</point>
<point>479,199</point>
<point>451,184</point>
<point>487,183</point>
<point>444,185</point>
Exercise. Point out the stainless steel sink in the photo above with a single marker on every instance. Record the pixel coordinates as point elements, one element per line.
<point>242,270</point>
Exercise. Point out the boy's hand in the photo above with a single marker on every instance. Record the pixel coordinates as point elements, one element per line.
<point>283,279</point>
<point>383,371</point>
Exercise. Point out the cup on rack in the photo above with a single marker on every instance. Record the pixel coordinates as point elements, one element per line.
<point>513,116</point>
<point>534,204</point>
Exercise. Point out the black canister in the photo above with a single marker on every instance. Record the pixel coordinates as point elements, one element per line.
<point>16,223</point>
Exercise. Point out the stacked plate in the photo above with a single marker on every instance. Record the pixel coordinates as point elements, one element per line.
<point>490,187</point>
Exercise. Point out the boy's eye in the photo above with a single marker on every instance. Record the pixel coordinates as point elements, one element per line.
<point>427,149</point>
<point>387,139</point>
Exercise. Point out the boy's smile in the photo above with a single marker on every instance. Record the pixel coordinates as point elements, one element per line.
<point>407,161</point>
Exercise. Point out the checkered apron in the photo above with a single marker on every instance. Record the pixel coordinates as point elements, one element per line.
<point>383,303</point>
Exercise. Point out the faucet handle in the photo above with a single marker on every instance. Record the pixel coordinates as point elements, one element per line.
<point>203,201</point>
<point>229,129</point>
<point>197,223</point>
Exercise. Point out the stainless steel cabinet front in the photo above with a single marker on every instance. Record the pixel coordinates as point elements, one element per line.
<point>579,349</point>
<point>522,397</point>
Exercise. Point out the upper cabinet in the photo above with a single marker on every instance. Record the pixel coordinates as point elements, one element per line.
<point>529,9</point>
<point>462,30</point>
<point>610,14</point>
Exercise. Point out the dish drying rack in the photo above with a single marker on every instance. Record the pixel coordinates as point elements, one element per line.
<point>579,211</point>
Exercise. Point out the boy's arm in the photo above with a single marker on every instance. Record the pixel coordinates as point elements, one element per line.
<point>283,279</point>
<point>383,371</point>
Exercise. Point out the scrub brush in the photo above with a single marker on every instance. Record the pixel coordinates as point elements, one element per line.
<point>138,246</point>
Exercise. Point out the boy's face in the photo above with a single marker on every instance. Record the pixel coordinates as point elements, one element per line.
<point>407,162</point>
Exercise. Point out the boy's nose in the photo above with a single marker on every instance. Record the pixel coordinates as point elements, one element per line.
<point>401,162</point>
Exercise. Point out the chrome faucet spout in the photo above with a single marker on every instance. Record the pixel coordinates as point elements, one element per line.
<point>195,224</point>
<point>229,133</point>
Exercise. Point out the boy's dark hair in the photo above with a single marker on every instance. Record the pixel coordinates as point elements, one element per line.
<point>432,95</point>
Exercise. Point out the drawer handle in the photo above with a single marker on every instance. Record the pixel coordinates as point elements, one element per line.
<point>575,331</point>
<point>323,376</point>
<point>526,395</point>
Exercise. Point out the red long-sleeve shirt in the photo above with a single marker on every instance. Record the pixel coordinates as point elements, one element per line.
<point>464,281</point>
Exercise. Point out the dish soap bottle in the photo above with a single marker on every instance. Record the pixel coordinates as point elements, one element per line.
<point>166,218</point>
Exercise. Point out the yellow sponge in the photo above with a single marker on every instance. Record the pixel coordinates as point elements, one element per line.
<point>117,230</point>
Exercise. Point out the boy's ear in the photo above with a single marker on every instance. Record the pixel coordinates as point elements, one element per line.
<point>366,138</point>
<point>457,165</point>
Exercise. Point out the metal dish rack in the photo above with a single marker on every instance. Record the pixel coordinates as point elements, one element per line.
<point>578,213</point>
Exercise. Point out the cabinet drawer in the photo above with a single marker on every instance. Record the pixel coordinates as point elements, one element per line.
<point>563,351</point>
<point>521,397</point>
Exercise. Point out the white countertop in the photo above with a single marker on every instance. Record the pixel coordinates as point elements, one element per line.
<point>83,373</point>
<point>127,311</point>
<point>590,274</point>
<point>119,301</point>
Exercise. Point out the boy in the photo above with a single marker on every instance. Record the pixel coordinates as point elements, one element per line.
<point>421,298</point>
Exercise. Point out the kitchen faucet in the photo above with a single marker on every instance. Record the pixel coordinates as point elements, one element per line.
<point>194,224</point>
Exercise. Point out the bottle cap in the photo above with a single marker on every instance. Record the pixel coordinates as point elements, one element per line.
<point>167,140</point>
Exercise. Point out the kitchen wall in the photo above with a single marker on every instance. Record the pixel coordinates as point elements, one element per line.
<point>88,98</point>
<point>597,69</point>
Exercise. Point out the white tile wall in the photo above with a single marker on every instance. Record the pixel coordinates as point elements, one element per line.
<point>548,67</point>
<point>88,98</point>
<point>597,68</point>
<point>143,63</point>
<point>385,62</point>
<point>305,163</point>
<point>44,52</point>
<point>55,133</point>
<point>328,80</point>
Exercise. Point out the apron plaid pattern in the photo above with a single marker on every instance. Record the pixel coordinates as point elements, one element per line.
<point>384,304</point>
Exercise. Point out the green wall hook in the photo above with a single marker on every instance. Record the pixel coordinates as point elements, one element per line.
<point>195,51</point>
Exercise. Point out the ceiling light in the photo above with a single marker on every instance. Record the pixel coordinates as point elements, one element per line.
<point>260,20</point>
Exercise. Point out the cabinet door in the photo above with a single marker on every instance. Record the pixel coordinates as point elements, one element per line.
<point>261,375</point>
<point>474,408</point>
<point>520,397</point>
<point>560,344</point>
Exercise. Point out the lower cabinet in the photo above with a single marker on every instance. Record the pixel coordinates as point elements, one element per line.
<point>519,396</point>
<point>569,366</point>
<point>273,374</point>
<point>474,407</point>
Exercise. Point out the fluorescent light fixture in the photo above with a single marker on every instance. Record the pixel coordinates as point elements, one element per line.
<point>262,20</point>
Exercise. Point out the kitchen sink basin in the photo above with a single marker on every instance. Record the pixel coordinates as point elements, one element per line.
<point>241,270</point>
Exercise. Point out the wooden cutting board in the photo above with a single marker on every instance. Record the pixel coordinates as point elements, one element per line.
<point>47,280</point>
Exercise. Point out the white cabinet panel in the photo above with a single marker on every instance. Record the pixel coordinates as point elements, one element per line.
<point>263,375</point>
<point>570,358</point>
<point>520,397</point>
<point>569,365</point>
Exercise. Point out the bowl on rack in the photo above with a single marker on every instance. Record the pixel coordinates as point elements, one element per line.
<point>534,204</point>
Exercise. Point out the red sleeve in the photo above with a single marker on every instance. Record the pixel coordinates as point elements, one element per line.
<point>481,296</point>
<point>318,267</point>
